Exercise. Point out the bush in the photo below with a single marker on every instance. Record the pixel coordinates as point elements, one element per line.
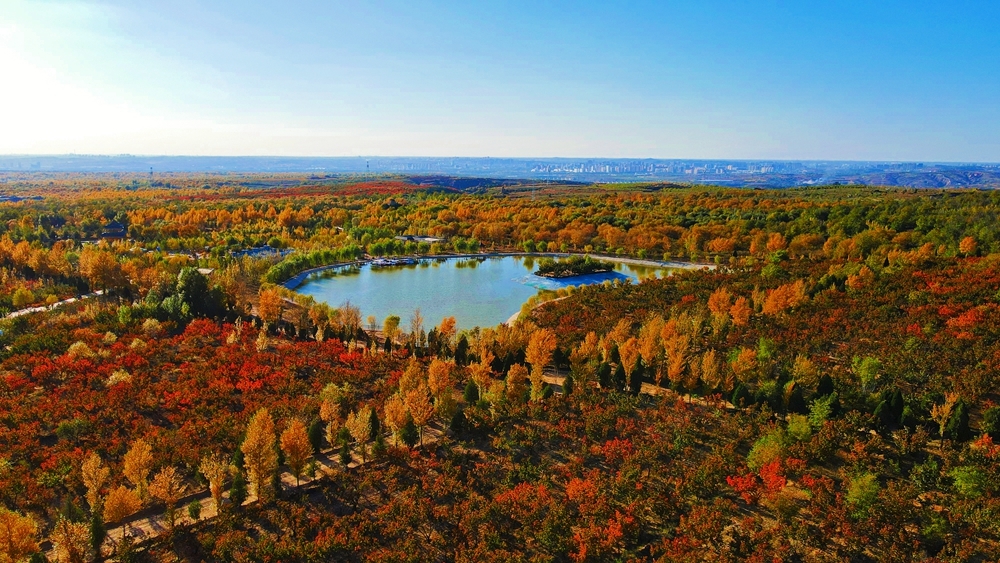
<point>72,429</point>
<point>799,428</point>
<point>926,475</point>
<point>22,298</point>
<point>821,409</point>
<point>80,350</point>
<point>97,532</point>
<point>379,448</point>
<point>568,385</point>
<point>458,422</point>
<point>767,448</point>
<point>194,510</point>
<point>968,481</point>
<point>862,493</point>
<point>991,422</point>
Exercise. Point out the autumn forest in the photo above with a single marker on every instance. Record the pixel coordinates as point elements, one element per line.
<point>821,385</point>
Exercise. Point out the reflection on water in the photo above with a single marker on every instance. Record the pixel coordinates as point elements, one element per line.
<point>476,291</point>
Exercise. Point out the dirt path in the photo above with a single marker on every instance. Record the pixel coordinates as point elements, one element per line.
<point>55,305</point>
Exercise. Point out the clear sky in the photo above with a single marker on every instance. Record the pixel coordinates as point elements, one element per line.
<point>865,80</point>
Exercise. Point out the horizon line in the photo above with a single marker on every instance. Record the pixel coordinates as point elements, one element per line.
<point>425,157</point>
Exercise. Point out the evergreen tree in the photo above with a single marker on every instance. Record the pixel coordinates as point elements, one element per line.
<point>238,490</point>
<point>825,386</point>
<point>471,393</point>
<point>958,425</point>
<point>97,532</point>
<point>409,434</point>
<point>316,435</point>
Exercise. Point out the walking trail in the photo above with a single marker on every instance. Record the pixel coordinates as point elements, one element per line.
<point>151,523</point>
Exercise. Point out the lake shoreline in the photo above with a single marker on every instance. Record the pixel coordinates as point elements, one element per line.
<point>297,280</point>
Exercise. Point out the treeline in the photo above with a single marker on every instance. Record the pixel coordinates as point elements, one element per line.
<point>299,262</point>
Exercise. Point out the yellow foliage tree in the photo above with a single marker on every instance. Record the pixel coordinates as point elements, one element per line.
<point>541,345</point>
<point>138,462</point>
<point>269,306</point>
<point>482,372</point>
<point>396,414</point>
<point>95,475</point>
<point>216,471</point>
<point>121,503</point>
<point>413,377</point>
<point>710,373</point>
<point>446,331</point>
<point>719,304</point>
<point>968,246</point>
<point>676,346</point>
<point>651,345</point>
<point>863,278</point>
<point>359,424</point>
<point>620,332</point>
<point>418,401</point>
<point>298,450</point>
<point>515,384</point>
<point>259,455</point>
<point>744,363</point>
<point>439,377</point>
<point>168,487</point>
<point>17,536</point>
<point>784,297</point>
<point>629,352</point>
<point>71,542</point>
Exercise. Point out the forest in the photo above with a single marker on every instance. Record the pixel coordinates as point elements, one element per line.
<point>826,391</point>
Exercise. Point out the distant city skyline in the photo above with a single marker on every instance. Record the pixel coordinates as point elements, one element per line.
<point>758,80</point>
<point>751,173</point>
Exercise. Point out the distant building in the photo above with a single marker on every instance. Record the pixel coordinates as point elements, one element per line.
<point>113,230</point>
<point>418,238</point>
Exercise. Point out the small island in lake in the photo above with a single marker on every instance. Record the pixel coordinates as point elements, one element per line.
<point>574,266</point>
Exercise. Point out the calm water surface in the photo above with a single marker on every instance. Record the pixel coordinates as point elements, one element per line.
<point>477,292</point>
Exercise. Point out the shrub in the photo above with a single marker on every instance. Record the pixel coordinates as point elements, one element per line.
<point>968,481</point>
<point>862,493</point>
<point>991,422</point>
<point>119,376</point>
<point>80,350</point>
<point>799,428</point>
<point>194,510</point>
<point>926,475</point>
<point>821,409</point>
<point>22,298</point>
<point>767,448</point>
<point>151,327</point>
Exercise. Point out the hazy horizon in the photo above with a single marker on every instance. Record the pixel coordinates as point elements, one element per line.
<point>487,156</point>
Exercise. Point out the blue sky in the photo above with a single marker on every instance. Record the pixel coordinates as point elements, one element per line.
<point>708,79</point>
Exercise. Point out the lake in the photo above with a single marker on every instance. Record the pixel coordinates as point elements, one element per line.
<point>482,291</point>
